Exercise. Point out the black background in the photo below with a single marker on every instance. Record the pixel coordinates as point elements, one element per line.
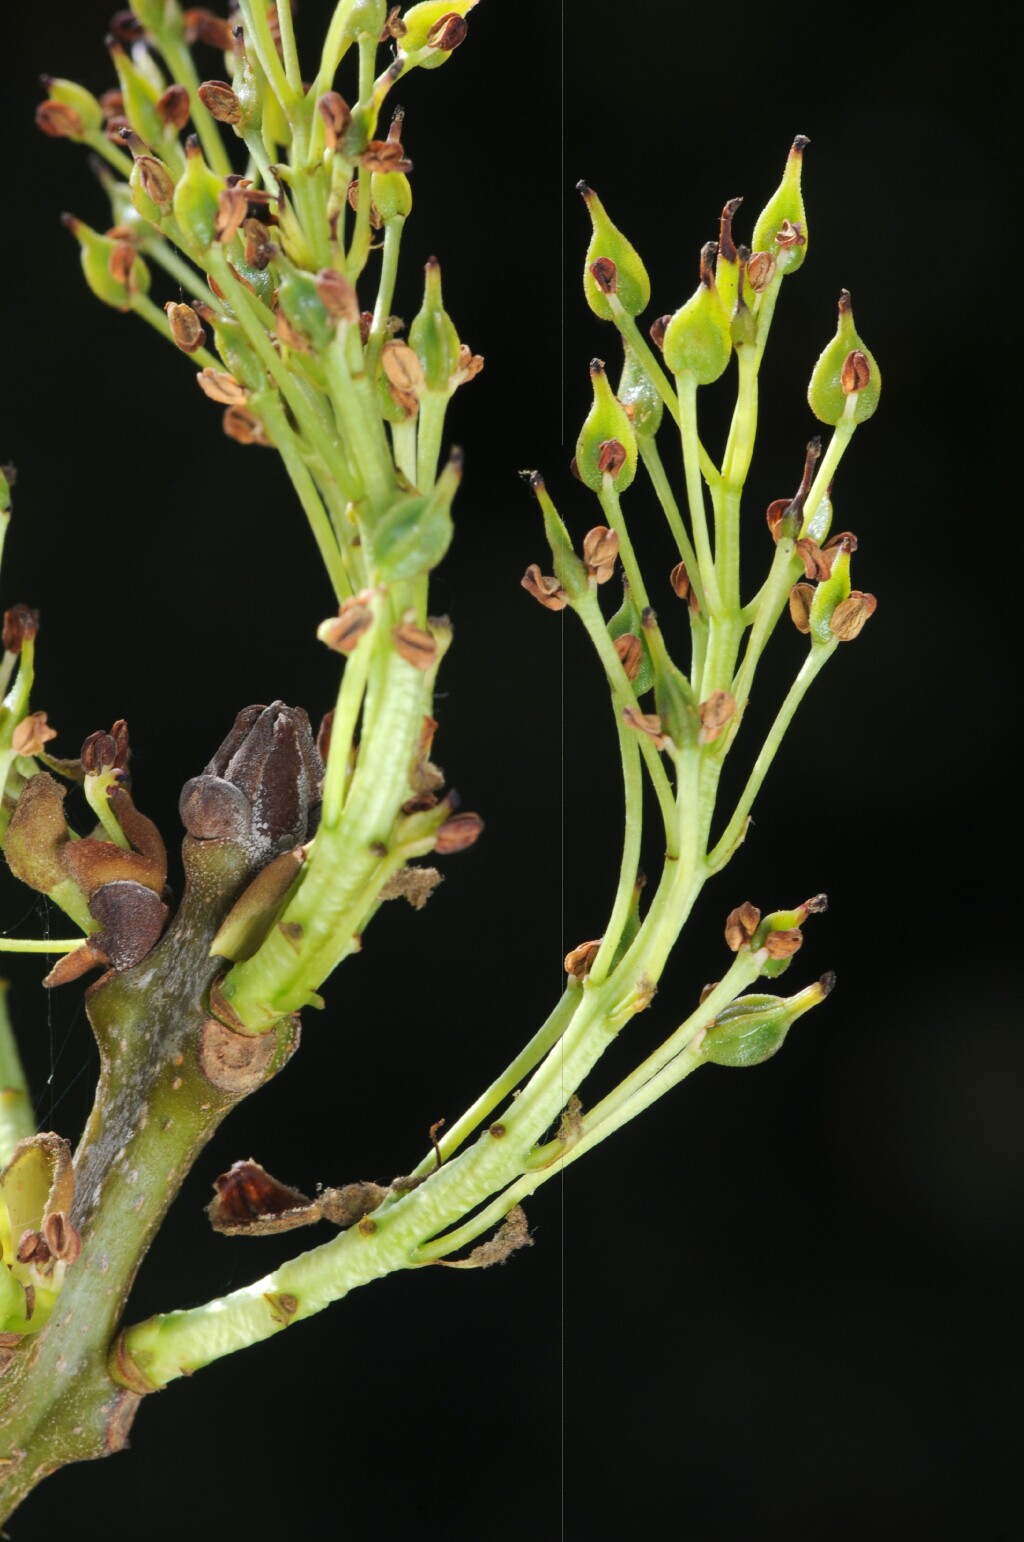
<point>781,1305</point>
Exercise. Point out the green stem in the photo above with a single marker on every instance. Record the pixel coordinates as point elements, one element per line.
<point>433,406</point>
<point>614,515</point>
<point>336,45</point>
<point>662,487</point>
<point>364,435</point>
<point>257,32</point>
<point>268,406</point>
<point>632,335</point>
<point>17,1120</point>
<point>385,292</point>
<point>96,789</point>
<point>632,782</point>
<point>351,692</point>
<point>687,387</point>
<point>841,436</point>
<point>815,661</point>
<point>39,945</point>
<point>289,53</point>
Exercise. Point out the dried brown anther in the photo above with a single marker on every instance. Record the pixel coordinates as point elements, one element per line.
<point>21,623</point>
<point>801,598</point>
<point>244,427</point>
<point>58,120</point>
<point>394,26</point>
<point>174,107</point>
<point>631,654</point>
<point>817,563</point>
<point>337,295</point>
<point>600,550</point>
<point>648,723</point>
<point>384,156</point>
<point>220,101</point>
<point>221,387</point>
<point>790,233</point>
<point>545,589</point>
<point>611,457</point>
<point>448,32</point>
<point>412,643</point>
<point>187,331</point>
<point>401,367</point>
<point>783,944</point>
<point>458,833</point>
<point>856,372</point>
<point>605,275</point>
<point>259,248</point>
<point>121,264</point>
<point>761,270</point>
<point>740,925</point>
<point>336,115</point>
<point>850,615</point>
<point>232,210</point>
<point>715,713</point>
<point>579,960</point>
<point>343,631</point>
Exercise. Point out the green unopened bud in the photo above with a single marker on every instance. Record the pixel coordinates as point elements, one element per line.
<point>420,21</point>
<point>303,308</point>
<point>432,336</point>
<point>673,695</point>
<point>195,197</point>
<point>639,396</point>
<point>151,182</point>
<point>140,96</point>
<point>781,228</point>
<point>753,1028</point>
<point>831,593</point>
<point>607,444</point>
<point>845,373</point>
<point>414,533</point>
<point>697,339</point>
<point>113,270</point>
<point>627,275</point>
<point>70,111</point>
<point>727,267</point>
<point>569,570</point>
<point>366,19</point>
<point>392,194</point>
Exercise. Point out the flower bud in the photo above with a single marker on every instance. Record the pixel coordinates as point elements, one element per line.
<point>432,335</point>
<point>196,196</point>
<point>391,192</point>
<point>103,270</point>
<point>639,396</point>
<point>846,369</point>
<point>697,338</point>
<point>139,94</point>
<point>752,1028</point>
<point>631,284</point>
<point>70,111</point>
<point>607,426</point>
<point>571,581</point>
<point>781,228</point>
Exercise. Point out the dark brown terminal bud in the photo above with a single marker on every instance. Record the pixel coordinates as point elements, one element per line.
<point>187,330</point>
<point>262,788</point>
<point>850,615</point>
<point>448,32</point>
<point>605,275</point>
<point>658,330</point>
<point>856,372</point>
<point>600,550</point>
<point>631,654</point>
<point>21,623</point>
<point>458,833</point>
<point>741,924</point>
<point>220,101</point>
<point>801,597</point>
<point>548,591</point>
<point>336,115</point>
<point>174,107</point>
<point>761,270</point>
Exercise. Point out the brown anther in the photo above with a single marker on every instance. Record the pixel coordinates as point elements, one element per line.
<point>448,32</point>
<point>32,1248</point>
<point>848,619</point>
<point>783,944</point>
<point>112,103</point>
<point>611,457</point>
<point>58,120</point>
<point>605,275</point>
<point>714,714</point>
<point>600,550</point>
<point>121,263</point>
<point>157,182</point>
<point>244,427</point>
<point>658,329</point>
<point>401,366</point>
<point>761,270</point>
<point>383,156</point>
<point>856,372</point>
<point>631,654</point>
<point>579,960</point>
<point>61,1237</point>
<point>259,248</point>
<point>338,295</point>
<point>336,115</point>
<point>106,751</point>
<point>679,578</point>
<point>220,101</point>
<point>21,623</point>
<point>469,366</point>
<point>232,208</point>
<point>412,643</point>
<point>343,631</point>
<point>801,597</point>
<point>31,734</point>
<point>457,834</point>
<point>740,925</point>
<point>394,26</point>
<point>221,387</point>
<point>174,107</point>
<point>817,563</point>
<point>187,331</point>
<point>202,26</point>
<point>790,233</point>
<point>648,723</point>
<point>548,591</point>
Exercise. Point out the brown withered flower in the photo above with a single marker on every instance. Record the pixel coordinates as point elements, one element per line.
<point>32,734</point>
<point>715,713</point>
<point>579,960</point>
<point>850,615</point>
<point>648,723</point>
<point>21,623</point>
<point>244,427</point>
<point>741,924</point>
<point>631,653</point>
<point>385,155</point>
<point>600,551</point>
<point>545,589</point>
<point>801,598</point>
<point>220,101</point>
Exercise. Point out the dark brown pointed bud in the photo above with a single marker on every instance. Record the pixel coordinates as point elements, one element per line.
<point>631,653</point>
<point>801,597</point>
<point>579,960</point>
<point>21,623</point>
<point>244,427</point>
<point>741,924</point>
<point>202,26</point>
<point>220,101</point>
<point>457,834</point>
<point>605,275</point>
<point>600,550</point>
<point>546,590</point>
<point>850,615</point>
<point>761,270</point>
<point>715,713</point>
<point>174,107</point>
<point>336,115</point>
<point>187,331</point>
<point>658,330</point>
<point>448,32</point>
<point>856,372</point>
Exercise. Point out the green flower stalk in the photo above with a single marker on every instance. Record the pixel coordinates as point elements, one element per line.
<point>257,223</point>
